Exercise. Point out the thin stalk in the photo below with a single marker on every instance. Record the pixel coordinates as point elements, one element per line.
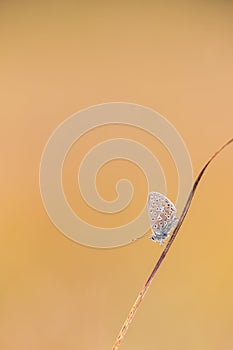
<point>146,286</point>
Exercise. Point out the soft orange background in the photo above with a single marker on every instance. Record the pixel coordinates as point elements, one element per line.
<point>57,58</point>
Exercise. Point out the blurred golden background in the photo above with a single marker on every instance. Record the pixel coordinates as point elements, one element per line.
<point>57,58</point>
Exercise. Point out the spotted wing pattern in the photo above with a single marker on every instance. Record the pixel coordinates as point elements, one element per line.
<point>162,214</point>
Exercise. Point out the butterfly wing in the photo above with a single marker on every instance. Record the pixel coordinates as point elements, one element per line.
<point>162,215</point>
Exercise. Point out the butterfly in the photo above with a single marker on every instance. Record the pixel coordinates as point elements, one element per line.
<point>162,214</point>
